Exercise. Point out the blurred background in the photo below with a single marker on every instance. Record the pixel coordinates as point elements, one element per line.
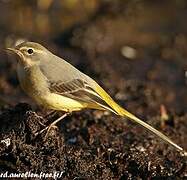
<point>136,49</point>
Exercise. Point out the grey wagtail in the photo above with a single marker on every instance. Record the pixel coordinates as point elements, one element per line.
<point>55,84</point>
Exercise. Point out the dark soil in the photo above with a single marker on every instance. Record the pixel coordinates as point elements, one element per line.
<point>97,145</point>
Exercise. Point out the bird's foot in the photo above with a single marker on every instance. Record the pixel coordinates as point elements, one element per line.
<point>52,125</point>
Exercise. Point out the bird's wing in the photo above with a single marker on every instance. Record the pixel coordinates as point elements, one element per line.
<point>66,80</point>
<point>78,89</point>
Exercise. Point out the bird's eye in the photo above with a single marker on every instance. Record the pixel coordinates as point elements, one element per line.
<point>30,51</point>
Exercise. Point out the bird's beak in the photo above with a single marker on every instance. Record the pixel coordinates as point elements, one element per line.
<point>14,51</point>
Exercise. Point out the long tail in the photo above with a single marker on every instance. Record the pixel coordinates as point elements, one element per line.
<point>124,113</point>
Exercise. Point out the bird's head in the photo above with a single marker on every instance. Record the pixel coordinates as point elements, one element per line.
<point>30,53</point>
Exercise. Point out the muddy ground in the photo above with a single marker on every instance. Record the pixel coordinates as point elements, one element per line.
<point>150,83</point>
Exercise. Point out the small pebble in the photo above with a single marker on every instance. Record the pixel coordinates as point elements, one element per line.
<point>128,52</point>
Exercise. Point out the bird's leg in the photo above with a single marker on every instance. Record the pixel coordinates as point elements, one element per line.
<point>52,125</point>
<point>51,113</point>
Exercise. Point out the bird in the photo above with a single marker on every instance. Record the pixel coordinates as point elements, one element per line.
<point>57,85</point>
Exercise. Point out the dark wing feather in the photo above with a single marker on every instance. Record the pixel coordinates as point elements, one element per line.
<point>77,89</point>
<point>67,87</point>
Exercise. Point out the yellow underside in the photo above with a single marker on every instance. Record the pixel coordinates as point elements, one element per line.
<point>60,103</point>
